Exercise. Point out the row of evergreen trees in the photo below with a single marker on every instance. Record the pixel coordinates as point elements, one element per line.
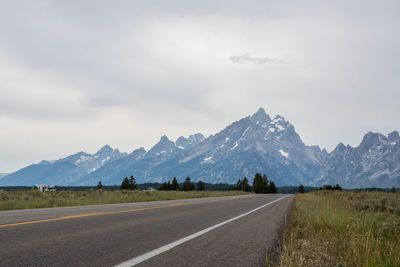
<point>186,186</point>
<point>261,185</point>
<point>302,190</point>
<point>129,183</point>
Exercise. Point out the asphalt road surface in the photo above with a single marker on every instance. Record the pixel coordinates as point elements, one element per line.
<point>225,231</point>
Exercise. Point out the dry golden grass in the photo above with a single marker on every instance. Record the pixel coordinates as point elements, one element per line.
<point>28,199</point>
<point>343,228</point>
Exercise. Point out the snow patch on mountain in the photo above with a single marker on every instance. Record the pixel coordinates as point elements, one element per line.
<point>283,153</point>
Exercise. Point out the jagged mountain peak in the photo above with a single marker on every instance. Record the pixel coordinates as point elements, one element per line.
<point>261,110</point>
<point>278,119</point>
<point>137,153</point>
<point>371,140</point>
<point>374,163</point>
<point>260,116</point>
<point>105,148</point>
<point>164,138</point>
<point>164,141</point>
<point>394,136</point>
<point>198,137</point>
<point>340,147</point>
<point>164,146</point>
<point>192,140</point>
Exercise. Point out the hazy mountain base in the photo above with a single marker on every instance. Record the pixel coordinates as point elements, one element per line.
<point>343,228</point>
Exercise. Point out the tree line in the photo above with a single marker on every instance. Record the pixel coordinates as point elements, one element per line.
<point>187,185</point>
<point>261,185</point>
<point>302,190</point>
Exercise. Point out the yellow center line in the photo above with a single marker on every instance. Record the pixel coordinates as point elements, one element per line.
<point>112,212</point>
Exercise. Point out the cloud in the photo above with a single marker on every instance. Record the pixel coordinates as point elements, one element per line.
<point>131,71</point>
<point>247,58</point>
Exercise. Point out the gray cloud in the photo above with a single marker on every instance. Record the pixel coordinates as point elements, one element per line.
<point>247,58</point>
<point>76,75</point>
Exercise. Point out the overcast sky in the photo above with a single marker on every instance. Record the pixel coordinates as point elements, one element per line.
<point>75,75</point>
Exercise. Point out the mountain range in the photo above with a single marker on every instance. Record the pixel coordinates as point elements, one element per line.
<point>256,143</point>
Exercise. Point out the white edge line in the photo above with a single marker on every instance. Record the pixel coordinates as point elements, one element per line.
<point>155,252</point>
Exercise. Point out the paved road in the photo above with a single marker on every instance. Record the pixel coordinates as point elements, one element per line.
<point>108,235</point>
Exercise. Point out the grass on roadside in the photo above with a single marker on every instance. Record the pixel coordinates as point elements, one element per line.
<point>28,199</point>
<point>343,228</point>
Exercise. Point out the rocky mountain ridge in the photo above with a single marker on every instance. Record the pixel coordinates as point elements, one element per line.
<point>374,163</point>
<point>256,143</point>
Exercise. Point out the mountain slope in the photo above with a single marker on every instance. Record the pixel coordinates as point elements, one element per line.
<point>374,163</point>
<point>63,171</point>
<point>138,163</point>
<point>253,144</point>
<point>3,174</point>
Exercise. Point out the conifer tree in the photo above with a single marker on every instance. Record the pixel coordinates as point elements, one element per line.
<point>99,185</point>
<point>337,187</point>
<point>245,185</point>
<point>301,189</point>
<point>258,186</point>
<point>393,189</point>
<point>272,188</point>
<point>175,184</point>
<point>265,184</point>
<point>164,187</point>
<point>169,185</point>
<point>188,185</point>
<point>328,187</point>
<point>125,184</point>
<point>132,183</point>
<point>238,185</point>
<point>200,185</point>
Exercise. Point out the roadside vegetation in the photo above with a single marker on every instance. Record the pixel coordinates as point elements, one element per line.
<point>28,199</point>
<point>343,228</point>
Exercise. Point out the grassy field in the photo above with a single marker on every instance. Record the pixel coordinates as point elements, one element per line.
<point>343,228</point>
<point>29,199</point>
